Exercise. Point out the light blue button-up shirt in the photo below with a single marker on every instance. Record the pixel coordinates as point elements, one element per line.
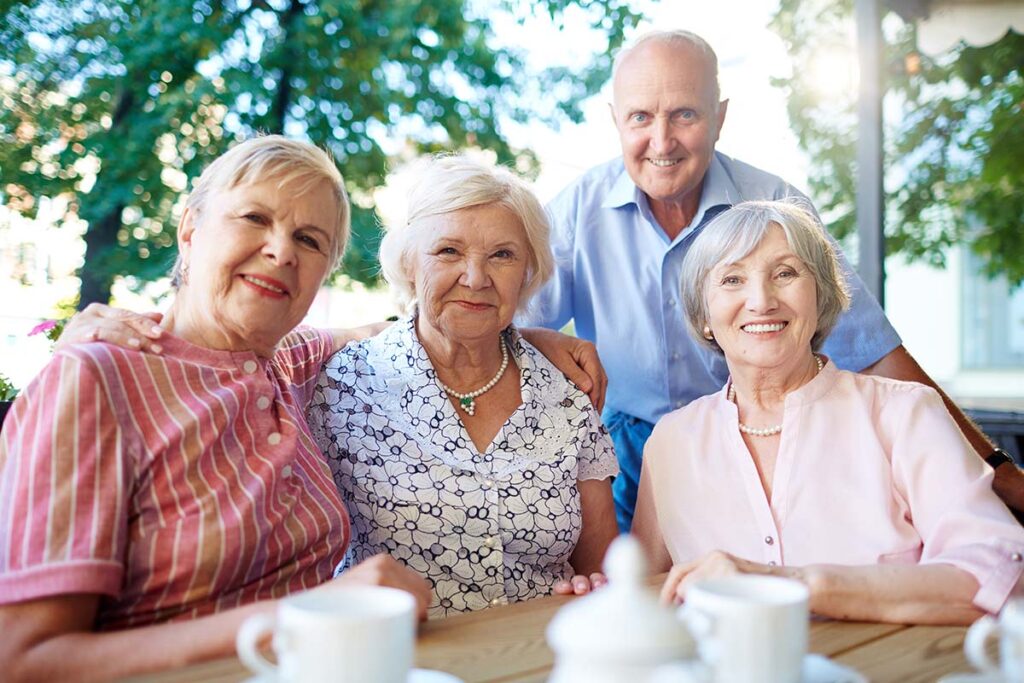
<point>617,275</point>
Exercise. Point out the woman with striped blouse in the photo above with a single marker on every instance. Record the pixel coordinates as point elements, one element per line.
<point>150,502</point>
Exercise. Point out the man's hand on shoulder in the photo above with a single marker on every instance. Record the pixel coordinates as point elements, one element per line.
<point>576,358</point>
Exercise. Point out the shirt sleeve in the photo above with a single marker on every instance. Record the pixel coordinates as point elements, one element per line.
<point>863,335</point>
<point>597,452</point>
<point>301,355</point>
<point>65,483</point>
<point>552,306</point>
<point>949,492</point>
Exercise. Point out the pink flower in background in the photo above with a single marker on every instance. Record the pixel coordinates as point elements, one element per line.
<point>43,327</point>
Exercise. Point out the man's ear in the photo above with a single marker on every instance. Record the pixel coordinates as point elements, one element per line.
<point>611,110</point>
<point>723,107</point>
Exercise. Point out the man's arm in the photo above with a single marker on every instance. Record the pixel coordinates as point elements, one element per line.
<point>1009,480</point>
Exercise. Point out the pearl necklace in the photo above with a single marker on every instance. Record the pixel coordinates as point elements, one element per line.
<point>467,401</point>
<point>764,431</point>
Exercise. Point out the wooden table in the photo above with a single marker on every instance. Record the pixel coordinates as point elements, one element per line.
<point>507,645</point>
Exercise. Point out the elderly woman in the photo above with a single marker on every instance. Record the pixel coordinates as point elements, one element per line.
<point>861,487</point>
<point>152,502</point>
<point>461,450</point>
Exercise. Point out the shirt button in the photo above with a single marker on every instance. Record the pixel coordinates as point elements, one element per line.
<point>263,403</point>
<point>274,439</point>
<point>286,471</point>
<point>490,541</point>
<point>495,601</point>
<point>487,484</point>
<point>670,302</point>
<point>771,563</point>
<point>1016,557</point>
<point>675,355</point>
<point>679,404</point>
<point>250,366</point>
<point>769,540</point>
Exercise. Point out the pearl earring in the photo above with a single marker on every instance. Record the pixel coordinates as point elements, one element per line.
<point>707,334</point>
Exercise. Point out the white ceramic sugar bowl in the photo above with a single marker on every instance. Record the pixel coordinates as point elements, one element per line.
<point>620,633</point>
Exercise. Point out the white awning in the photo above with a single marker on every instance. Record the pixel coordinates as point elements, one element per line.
<point>976,22</point>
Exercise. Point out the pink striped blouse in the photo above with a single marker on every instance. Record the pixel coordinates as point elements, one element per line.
<point>175,485</point>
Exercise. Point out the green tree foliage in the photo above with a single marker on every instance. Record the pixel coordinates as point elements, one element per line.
<point>954,135</point>
<point>112,104</point>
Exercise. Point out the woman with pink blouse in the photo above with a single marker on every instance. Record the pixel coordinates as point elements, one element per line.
<point>152,499</point>
<point>861,487</point>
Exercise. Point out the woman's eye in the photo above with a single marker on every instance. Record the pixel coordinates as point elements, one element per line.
<point>447,251</point>
<point>730,280</point>
<point>310,241</point>
<point>255,218</point>
<point>786,274</point>
<point>503,254</point>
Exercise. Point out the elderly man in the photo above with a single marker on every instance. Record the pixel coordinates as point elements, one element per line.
<point>622,230</point>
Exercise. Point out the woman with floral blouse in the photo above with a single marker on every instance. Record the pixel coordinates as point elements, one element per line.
<point>460,449</point>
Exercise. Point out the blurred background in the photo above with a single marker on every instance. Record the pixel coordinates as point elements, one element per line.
<point>109,107</point>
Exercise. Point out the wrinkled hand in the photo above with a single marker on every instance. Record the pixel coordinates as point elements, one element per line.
<point>714,564</point>
<point>576,358</point>
<point>99,322</point>
<point>1008,484</point>
<point>384,570</point>
<point>580,584</point>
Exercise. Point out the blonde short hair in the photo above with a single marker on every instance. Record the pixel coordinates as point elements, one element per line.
<point>293,163</point>
<point>734,233</point>
<point>444,184</point>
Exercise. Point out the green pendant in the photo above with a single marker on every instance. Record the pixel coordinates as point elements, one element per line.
<point>466,402</point>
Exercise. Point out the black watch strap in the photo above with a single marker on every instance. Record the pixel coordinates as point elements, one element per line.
<point>998,457</point>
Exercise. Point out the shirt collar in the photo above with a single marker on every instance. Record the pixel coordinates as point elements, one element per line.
<point>718,190</point>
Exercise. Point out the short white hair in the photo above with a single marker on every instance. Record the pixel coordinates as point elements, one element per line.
<point>736,232</point>
<point>294,164</point>
<point>673,37</point>
<point>444,184</point>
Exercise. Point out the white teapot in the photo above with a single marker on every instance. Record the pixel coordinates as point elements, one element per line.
<point>620,633</point>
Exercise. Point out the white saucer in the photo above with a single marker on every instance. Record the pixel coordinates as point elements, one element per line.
<point>973,678</point>
<point>821,669</point>
<point>415,676</point>
<point>431,676</point>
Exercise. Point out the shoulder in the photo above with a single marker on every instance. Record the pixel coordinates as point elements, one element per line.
<point>755,183</point>
<point>688,422</point>
<point>587,190</point>
<point>304,344</point>
<point>890,399</point>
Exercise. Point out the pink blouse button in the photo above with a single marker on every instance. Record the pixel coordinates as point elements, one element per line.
<point>274,439</point>
<point>769,540</point>
<point>263,403</point>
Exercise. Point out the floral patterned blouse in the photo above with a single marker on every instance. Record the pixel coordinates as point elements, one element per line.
<point>484,528</point>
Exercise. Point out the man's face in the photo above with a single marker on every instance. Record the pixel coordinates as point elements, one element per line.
<point>666,111</point>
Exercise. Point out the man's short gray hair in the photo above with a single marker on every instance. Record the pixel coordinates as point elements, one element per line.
<point>674,37</point>
<point>294,164</point>
<point>734,233</point>
<point>444,184</point>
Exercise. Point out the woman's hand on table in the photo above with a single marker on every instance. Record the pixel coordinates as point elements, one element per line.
<point>576,358</point>
<point>580,584</point>
<point>714,564</point>
<point>384,570</point>
<point>99,322</point>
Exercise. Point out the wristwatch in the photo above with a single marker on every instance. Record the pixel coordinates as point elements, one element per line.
<point>998,457</point>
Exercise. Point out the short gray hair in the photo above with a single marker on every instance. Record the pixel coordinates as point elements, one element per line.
<point>444,184</point>
<point>293,163</point>
<point>674,37</point>
<point>736,232</point>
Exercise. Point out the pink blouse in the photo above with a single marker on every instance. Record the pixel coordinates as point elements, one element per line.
<point>869,470</point>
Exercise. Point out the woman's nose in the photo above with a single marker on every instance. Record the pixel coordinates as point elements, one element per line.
<point>760,296</point>
<point>475,276</point>
<point>280,248</point>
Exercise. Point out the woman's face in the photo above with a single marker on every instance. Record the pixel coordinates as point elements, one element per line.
<point>469,268</point>
<point>763,310</point>
<point>256,257</point>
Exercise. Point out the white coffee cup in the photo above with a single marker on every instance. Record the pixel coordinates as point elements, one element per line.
<point>749,629</point>
<point>1010,629</point>
<point>343,635</point>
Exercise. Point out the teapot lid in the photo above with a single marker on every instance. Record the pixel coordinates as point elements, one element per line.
<point>622,620</point>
